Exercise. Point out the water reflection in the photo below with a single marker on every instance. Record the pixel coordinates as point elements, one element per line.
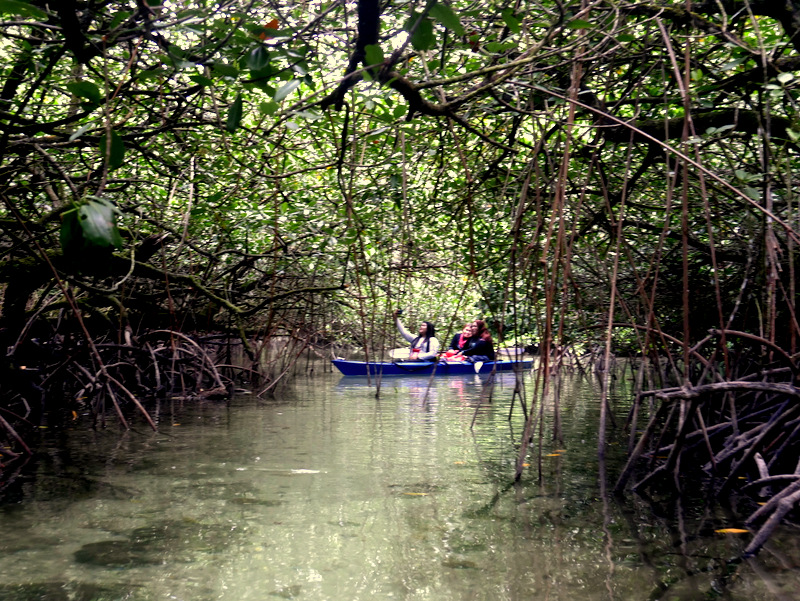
<point>333,494</point>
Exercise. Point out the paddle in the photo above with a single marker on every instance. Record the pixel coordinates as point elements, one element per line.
<point>399,353</point>
<point>478,365</point>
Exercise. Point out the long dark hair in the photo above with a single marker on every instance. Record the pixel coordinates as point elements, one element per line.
<point>430,332</point>
<point>483,332</point>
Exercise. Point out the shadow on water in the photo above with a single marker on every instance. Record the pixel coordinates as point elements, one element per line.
<point>156,544</point>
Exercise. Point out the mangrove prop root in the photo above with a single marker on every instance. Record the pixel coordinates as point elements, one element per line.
<point>739,431</point>
<point>63,378</point>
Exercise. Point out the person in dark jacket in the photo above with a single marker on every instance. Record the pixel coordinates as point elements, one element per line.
<point>461,341</point>
<point>481,345</point>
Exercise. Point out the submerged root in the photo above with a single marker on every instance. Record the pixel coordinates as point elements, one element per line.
<point>740,434</point>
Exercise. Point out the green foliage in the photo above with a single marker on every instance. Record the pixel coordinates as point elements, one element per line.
<point>21,9</point>
<point>374,54</point>
<point>258,60</point>
<point>464,178</point>
<point>445,15</point>
<point>286,89</point>
<point>112,149</point>
<point>87,90</point>
<point>92,224</point>
<point>421,29</point>
<point>97,218</point>
<point>235,111</point>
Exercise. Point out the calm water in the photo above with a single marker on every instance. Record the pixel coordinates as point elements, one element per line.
<point>328,493</point>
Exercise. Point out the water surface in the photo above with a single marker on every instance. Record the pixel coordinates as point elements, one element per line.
<point>329,493</point>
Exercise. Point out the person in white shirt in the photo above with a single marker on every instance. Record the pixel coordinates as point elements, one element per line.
<point>425,346</point>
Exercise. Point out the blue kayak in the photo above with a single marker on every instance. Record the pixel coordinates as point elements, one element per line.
<point>417,368</point>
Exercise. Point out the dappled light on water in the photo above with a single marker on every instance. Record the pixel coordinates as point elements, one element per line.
<point>328,493</point>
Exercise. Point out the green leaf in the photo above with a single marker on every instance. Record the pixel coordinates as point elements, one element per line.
<point>202,80</point>
<point>85,89</point>
<point>258,59</point>
<point>445,15</point>
<point>97,219</point>
<point>216,196</point>
<point>148,74</point>
<point>260,80</point>
<point>268,108</point>
<point>579,24</point>
<point>496,47</point>
<point>374,54</point>
<point>235,111</point>
<point>309,115</point>
<point>82,130</point>
<point>422,38</point>
<point>286,89</point>
<point>785,78</point>
<point>512,22</point>
<point>71,234</point>
<point>21,9</point>
<point>119,17</point>
<point>226,70</point>
<point>115,154</point>
<point>734,63</point>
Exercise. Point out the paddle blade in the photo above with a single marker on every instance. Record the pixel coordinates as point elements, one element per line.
<point>478,365</point>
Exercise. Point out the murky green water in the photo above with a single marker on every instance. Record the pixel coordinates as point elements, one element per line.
<point>329,494</point>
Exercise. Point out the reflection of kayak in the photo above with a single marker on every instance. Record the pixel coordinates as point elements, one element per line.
<point>412,368</point>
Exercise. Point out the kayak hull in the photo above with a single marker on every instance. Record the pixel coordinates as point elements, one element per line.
<point>421,368</point>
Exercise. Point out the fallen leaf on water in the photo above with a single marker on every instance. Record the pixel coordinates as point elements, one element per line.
<point>732,531</point>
